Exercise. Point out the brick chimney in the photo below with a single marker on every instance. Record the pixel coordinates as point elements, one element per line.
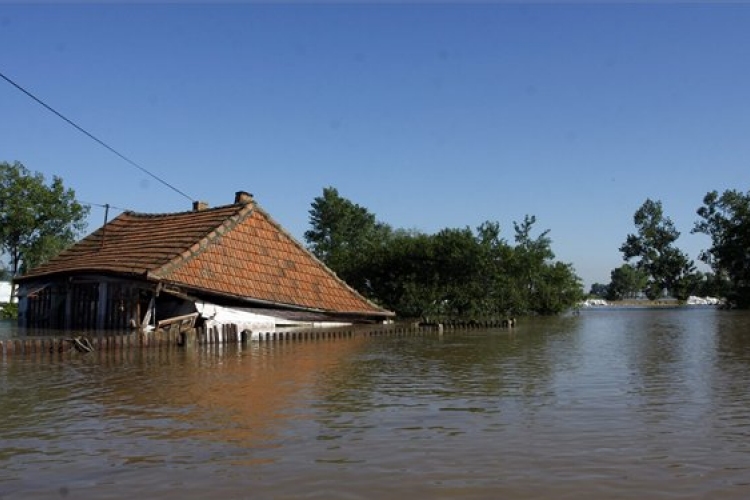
<point>199,206</point>
<point>243,197</point>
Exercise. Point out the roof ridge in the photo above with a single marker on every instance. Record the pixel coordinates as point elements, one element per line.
<point>183,212</point>
<point>202,245</point>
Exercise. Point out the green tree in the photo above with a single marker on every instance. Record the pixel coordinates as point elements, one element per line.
<point>9,311</point>
<point>453,273</point>
<point>457,264</point>
<point>653,246</point>
<point>599,290</point>
<point>712,285</point>
<point>498,294</point>
<point>559,290</point>
<point>528,262</point>
<point>525,279</point>
<point>37,221</point>
<point>344,235</point>
<point>402,275</point>
<point>627,281</point>
<point>726,219</point>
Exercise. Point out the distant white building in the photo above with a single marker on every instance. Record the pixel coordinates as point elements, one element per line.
<point>5,290</point>
<point>704,301</point>
<point>594,303</point>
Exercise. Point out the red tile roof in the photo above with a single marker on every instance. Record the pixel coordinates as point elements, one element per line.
<point>236,250</point>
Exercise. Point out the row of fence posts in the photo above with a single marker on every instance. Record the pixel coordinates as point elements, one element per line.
<point>225,334</point>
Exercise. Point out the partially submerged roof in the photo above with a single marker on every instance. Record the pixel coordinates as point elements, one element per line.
<point>236,251</point>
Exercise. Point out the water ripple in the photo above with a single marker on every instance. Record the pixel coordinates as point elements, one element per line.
<point>618,404</point>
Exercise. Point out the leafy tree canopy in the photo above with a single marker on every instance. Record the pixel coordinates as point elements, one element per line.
<point>37,221</point>
<point>653,246</point>
<point>628,282</point>
<point>343,235</point>
<point>453,273</point>
<point>726,219</point>
<point>599,290</point>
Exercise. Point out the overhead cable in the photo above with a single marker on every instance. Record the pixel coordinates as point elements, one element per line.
<point>91,136</point>
<point>104,205</point>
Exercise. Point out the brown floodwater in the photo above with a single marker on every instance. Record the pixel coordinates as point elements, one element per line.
<point>611,404</point>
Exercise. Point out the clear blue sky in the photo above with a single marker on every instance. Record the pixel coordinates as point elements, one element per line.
<point>430,116</point>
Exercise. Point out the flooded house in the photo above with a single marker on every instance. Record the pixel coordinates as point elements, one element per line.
<point>231,264</point>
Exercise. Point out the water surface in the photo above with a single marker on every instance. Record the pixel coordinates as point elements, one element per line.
<point>608,404</point>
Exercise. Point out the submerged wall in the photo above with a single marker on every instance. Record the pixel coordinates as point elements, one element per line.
<point>65,346</point>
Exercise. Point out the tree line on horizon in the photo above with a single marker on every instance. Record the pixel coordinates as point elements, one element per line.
<point>655,267</point>
<point>456,272</point>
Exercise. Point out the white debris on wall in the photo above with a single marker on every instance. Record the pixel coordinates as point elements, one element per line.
<point>215,316</point>
<point>254,323</point>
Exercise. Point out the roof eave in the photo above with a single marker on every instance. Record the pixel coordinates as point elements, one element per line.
<point>193,293</point>
<point>134,273</point>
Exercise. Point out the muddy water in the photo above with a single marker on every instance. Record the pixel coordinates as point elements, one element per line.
<point>605,405</point>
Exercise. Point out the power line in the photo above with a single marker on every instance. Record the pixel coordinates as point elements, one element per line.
<point>105,205</point>
<point>91,136</point>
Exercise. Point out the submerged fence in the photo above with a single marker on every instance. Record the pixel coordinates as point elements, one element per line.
<point>73,343</point>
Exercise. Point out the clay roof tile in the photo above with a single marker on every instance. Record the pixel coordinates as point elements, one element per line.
<point>235,250</point>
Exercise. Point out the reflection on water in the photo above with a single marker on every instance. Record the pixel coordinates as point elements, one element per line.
<point>609,404</point>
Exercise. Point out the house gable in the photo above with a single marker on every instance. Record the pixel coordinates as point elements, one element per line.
<point>257,259</point>
<point>236,251</point>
